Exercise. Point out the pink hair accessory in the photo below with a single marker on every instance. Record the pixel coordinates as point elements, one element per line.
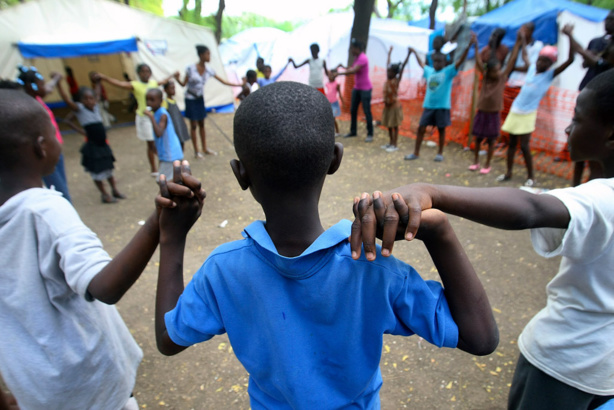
<point>550,52</point>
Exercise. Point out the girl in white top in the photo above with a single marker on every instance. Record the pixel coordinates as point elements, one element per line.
<point>316,65</point>
<point>196,75</point>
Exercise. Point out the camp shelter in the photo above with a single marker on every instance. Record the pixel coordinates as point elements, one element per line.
<point>549,17</point>
<point>105,36</point>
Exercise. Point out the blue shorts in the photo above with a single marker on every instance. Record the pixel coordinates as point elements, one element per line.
<point>336,108</point>
<point>438,117</point>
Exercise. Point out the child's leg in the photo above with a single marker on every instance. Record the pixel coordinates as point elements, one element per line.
<point>419,139</point>
<point>114,190</point>
<point>151,156</point>
<point>395,136</point>
<point>442,139</point>
<point>476,150</point>
<point>511,151</point>
<point>354,111</point>
<point>106,198</point>
<point>391,135</point>
<point>526,152</point>
<point>491,151</point>
<point>193,126</point>
<point>336,126</point>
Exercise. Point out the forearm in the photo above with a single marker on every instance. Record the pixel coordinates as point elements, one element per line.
<point>170,288</point>
<point>117,83</point>
<point>119,275</point>
<point>69,102</point>
<point>466,297</point>
<point>51,84</point>
<point>221,80</point>
<point>75,127</point>
<point>158,130</point>
<point>502,208</point>
<point>463,57</point>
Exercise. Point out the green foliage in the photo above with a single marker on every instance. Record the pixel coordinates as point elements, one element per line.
<point>152,6</point>
<point>8,3</point>
<point>604,4</point>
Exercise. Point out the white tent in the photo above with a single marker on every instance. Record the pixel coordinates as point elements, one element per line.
<point>332,33</point>
<point>105,36</point>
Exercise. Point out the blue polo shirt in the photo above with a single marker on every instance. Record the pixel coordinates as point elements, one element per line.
<point>308,329</point>
<point>439,87</point>
<point>168,145</point>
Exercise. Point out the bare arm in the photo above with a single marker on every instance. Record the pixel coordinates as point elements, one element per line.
<point>511,63</point>
<point>404,64</point>
<point>388,60</point>
<point>477,330</point>
<point>221,80</point>
<point>169,78</point>
<point>178,78</point>
<point>325,68</point>
<point>126,85</point>
<point>479,64</point>
<point>568,30</point>
<point>420,62</point>
<point>157,127</point>
<point>50,85</point>
<point>340,95</point>
<point>300,65</point>
<point>71,104</point>
<point>463,56</point>
<point>69,121</point>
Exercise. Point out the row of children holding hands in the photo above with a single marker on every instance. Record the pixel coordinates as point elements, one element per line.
<point>288,322</point>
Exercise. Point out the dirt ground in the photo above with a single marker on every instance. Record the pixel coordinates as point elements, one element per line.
<point>416,374</point>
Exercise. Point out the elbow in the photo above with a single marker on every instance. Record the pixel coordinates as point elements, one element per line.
<point>482,345</point>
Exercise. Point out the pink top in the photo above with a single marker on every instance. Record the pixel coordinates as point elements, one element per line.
<point>55,124</point>
<point>331,91</point>
<point>361,79</point>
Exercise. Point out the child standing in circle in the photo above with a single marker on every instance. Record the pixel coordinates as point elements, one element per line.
<point>316,65</point>
<point>392,115</point>
<point>139,88</point>
<point>173,110</point>
<point>96,155</point>
<point>520,123</point>
<point>332,90</point>
<point>196,75</point>
<point>487,121</point>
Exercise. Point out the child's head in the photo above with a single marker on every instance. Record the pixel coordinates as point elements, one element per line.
<point>528,29</point>
<point>27,137</point>
<point>87,97</point>
<point>267,71</point>
<point>439,61</point>
<point>609,23</point>
<point>332,74</point>
<point>204,55</point>
<point>284,136</point>
<point>393,70</point>
<point>260,64</point>
<point>496,37</point>
<point>144,72</point>
<point>438,43</point>
<point>315,49</point>
<point>251,76</point>
<point>169,88</point>
<point>153,98</point>
<point>591,132</point>
<point>356,47</point>
<point>32,81</point>
<point>68,71</point>
<point>547,56</point>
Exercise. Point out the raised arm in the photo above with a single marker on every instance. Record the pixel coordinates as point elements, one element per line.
<point>420,62</point>
<point>479,64</point>
<point>50,85</point>
<point>463,56</point>
<point>324,66</point>
<point>568,31</point>
<point>396,214</point>
<point>169,78</point>
<point>388,60</point>
<point>404,64</point>
<point>126,85</point>
<point>511,63</point>
<point>178,79</point>
<point>291,60</point>
<point>71,104</point>
<point>477,330</point>
<point>221,80</point>
<point>276,76</point>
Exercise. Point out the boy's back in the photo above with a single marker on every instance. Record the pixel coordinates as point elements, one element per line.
<point>70,343</point>
<point>309,329</point>
<point>168,145</point>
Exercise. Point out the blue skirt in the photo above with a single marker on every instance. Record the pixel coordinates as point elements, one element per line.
<point>195,109</point>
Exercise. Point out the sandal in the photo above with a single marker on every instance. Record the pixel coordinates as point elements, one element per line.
<point>474,167</point>
<point>529,182</point>
<point>503,177</point>
<point>107,199</point>
<point>118,195</point>
<point>485,170</point>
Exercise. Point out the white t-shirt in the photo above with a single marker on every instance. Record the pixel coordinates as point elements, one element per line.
<point>572,338</point>
<point>316,76</point>
<point>196,81</point>
<point>59,349</point>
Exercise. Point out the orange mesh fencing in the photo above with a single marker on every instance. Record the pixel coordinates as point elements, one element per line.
<point>547,141</point>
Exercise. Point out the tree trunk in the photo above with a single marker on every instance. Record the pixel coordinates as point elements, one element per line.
<point>487,6</point>
<point>464,8</point>
<point>183,13</point>
<point>198,7</point>
<point>218,20</point>
<point>362,22</point>
<point>432,12</point>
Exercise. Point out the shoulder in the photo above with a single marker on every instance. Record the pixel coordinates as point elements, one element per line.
<point>80,106</point>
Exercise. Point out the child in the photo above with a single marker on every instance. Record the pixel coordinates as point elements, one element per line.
<point>487,121</point>
<point>437,101</point>
<point>566,351</point>
<point>166,139</point>
<point>250,85</point>
<point>262,82</point>
<point>139,88</point>
<point>332,90</point>
<point>392,115</point>
<point>63,345</point>
<point>438,43</point>
<point>103,101</point>
<point>34,85</point>
<point>175,114</point>
<point>96,155</point>
<point>520,122</point>
<point>316,65</point>
<point>305,319</point>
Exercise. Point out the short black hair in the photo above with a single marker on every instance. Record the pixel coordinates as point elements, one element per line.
<point>395,67</point>
<point>315,46</point>
<point>251,74</point>
<point>141,66</point>
<point>266,66</point>
<point>603,101</point>
<point>22,119</point>
<point>168,84</point>
<point>285,132</point>
<point>498,33</point>
<point>155,91</point>
<point>84,90</point>
<point>201,49</point>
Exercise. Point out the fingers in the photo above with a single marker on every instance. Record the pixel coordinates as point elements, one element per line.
<point>356,233</point>
<point>177,172</point>
<point>368,223</point>
<point>163,187</point>
<point>408,215</point>
<point>390,225</point>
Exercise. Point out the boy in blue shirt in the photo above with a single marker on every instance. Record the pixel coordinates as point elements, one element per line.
<point>304,318</point>
<point>437,101</point>
<point>166,139</point>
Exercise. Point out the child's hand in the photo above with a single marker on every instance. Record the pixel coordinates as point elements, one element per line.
<point>390,50</point>
<point>520,34</point>
<point>176,75</point>
<point>474,39</point>
<point>56,76</point>
<point>148,113</point>
<point>567,29</point>
<point>290,60</point>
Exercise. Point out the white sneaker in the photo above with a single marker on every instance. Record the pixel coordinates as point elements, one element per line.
<point>385,146</point>
<point>392,148</point>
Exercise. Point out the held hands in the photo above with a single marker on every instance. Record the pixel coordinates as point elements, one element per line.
<point>473,39</point>
<point>391,217</point>
<point>180,201</point>
<point>567,29</point>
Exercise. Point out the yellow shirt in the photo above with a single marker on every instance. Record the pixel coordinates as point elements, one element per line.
<point>139,90</point>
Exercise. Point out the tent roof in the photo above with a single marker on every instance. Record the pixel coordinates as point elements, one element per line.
<point>426,23</point>
<point>543,13</point>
